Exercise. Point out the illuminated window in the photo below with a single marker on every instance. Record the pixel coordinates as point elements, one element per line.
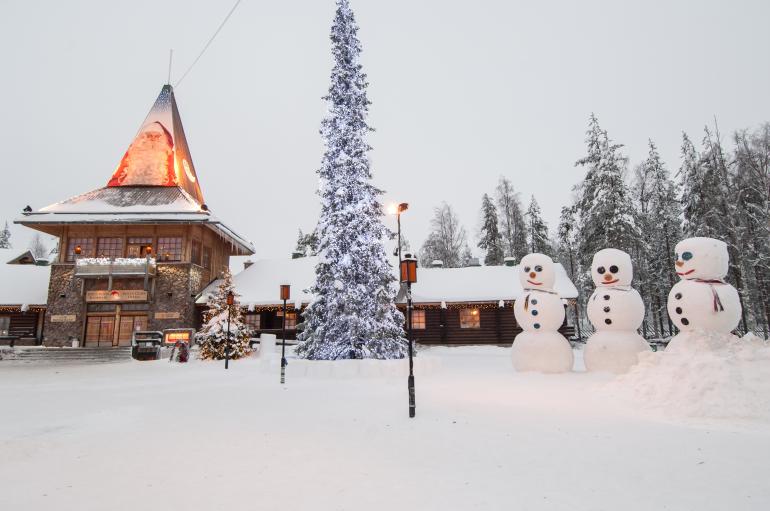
<point>253,321</point>
<point>291,320</point>
<point>109,247</point>
<point>470,318</point>
<point>196,252</point>
<point>5,325</point>
<point>137,247</point>
<point>206,258</point>
<point>86,247</point>
<point>169,249</point>
<point>418,319</point>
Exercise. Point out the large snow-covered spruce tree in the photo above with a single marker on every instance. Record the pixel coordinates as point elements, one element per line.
<point>213,335</point>
<point>489,235</point>
<point>353,312</point>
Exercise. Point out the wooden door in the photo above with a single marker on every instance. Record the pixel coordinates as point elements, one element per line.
<point>100,331</point>
<point>128,325</point>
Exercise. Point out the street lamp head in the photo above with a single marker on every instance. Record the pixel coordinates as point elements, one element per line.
<point>285,291</point>
<point>78,250</point>
<point>148,250</point>
<point>230,298</point>
<point>409,269</point>
<point>403,207</point>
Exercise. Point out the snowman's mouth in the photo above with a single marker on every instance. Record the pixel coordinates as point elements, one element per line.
<point>535,283</point>
<point>682,274</point>
<point>611,282</point>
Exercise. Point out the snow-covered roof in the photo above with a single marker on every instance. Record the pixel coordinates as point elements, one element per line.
<point>133,205</point>
<point>258,285</point>
<point>479,284</point>
<point>22,284</point>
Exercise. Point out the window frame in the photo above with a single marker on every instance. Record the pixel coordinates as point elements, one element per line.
<point>87,246</point>
<point>467,314</point>
<point>112,254</point>
<point>146,241</point>
<point>176,252</point>
<point>291,319</point>
<point>253,325</point>
<point>418,323</point>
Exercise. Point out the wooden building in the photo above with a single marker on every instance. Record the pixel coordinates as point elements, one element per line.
<point>471,305</point>
<point>23,296</point>
<point>135,253</point>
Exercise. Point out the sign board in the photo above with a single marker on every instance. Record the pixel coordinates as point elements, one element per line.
<point>166,315</point>
<point>117,295</point>
<point>172,336</point>
<point>63,318</point>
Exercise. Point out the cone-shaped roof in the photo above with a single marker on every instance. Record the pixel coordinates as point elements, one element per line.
<point>159,155</point>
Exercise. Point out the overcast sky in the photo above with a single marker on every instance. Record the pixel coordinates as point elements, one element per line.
<point>462,93</point>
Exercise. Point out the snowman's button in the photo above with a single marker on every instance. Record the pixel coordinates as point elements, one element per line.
<point>534,301</point>
<point>606,309</point>
<point>536,325</point>
<point>678,310</point>
<point>606,297</point>
<point>685,321</point>
<point>678,296</point>
<point>534,312</point>
<point>608,321</point>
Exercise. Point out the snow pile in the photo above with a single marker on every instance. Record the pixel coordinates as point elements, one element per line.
<point>708,376</point>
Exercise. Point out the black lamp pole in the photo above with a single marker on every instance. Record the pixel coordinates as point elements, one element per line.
<point>408,270</point>
<point>285,293</point>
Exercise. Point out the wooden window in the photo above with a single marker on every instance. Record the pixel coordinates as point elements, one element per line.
<point>169,249</point>
<point>137,246</point>
<point>5,325</point>
<point>418,319</point>
<point>109,247</point>
<point>86,247</point>
<point>291,320</point>
<point>206,259</point>
<point>470,318</point>
<point>253,321</point>
<point>195,256</point>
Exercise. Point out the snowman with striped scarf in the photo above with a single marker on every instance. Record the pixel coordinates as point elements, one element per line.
<point>616,311</point>
<point>540,313</point>
<point>702,300</point>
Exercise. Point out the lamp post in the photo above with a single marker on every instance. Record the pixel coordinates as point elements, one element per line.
<point>285,295</point>
<point>397,209</point>
<point>230,301</point>
<point>408,270</point>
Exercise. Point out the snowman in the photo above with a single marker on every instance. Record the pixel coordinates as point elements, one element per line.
<point>702,300</point>
<point>540,313</point>
<point>616,311</point>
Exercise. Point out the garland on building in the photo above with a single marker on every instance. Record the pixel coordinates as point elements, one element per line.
<point>212,337</point>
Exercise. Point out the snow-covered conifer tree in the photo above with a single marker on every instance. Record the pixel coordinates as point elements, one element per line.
<point>5,237</point>
<point>306,245</point>
<point>490,238</point>
<point>537,230</point>
<point>353,312</point>
<point>213,335</point>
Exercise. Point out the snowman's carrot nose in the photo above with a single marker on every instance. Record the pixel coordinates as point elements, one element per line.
<point>532,275</point>
<point>607,277</point>
<point>680,263</point>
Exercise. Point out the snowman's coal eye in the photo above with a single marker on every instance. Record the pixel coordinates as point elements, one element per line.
<point>687,256</point>
<point>526,269</point>
<point>600,270</point>
<point>613,269</point>
<point>538,268</point>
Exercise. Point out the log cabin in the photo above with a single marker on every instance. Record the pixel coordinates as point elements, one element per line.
<point>452,306</point>
<point>23,297</point>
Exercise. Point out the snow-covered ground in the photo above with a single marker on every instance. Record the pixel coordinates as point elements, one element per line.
<point>155,435</point>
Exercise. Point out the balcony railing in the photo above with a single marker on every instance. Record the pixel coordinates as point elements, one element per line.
<point>99,267</point>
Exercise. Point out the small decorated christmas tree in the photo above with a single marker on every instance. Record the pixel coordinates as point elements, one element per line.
<point>213,335</point>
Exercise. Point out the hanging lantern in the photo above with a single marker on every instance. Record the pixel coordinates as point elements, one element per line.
<point>285,291</point>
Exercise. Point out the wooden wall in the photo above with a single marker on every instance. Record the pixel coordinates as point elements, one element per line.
<point>442,326</point>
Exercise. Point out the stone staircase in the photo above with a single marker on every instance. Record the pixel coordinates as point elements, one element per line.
<point>39,355</point>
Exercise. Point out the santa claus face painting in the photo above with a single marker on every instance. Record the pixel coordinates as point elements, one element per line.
<point>149,160</point>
